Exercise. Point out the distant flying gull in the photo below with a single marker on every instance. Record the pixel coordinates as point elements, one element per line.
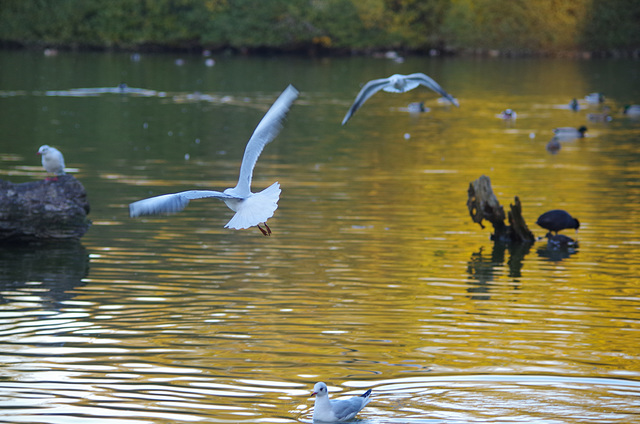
<point>52,160</point>
<point>330,411</point>
<point>395,84</point>
<point>251,208</point>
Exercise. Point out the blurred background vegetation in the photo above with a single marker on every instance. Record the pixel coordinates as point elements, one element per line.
<point>340,26</point>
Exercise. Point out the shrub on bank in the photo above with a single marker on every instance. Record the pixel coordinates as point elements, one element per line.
<point>544,26</point>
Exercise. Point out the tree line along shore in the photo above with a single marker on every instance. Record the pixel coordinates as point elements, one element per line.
<point>495,27</point>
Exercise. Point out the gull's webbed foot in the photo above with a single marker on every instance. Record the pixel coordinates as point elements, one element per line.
<point>266,232</point>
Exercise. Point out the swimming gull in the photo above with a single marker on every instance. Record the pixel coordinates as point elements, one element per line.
<point>326,410</point>
<point>395,84</point>
<point>251,208</point>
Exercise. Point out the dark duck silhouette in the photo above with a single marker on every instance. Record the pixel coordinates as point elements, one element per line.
<point>556,220</point>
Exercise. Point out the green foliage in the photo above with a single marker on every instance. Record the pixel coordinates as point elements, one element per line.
<point>542,25</point>
<point>418,22</point>
<point>612,24</point>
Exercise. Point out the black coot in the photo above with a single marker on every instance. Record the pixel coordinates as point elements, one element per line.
<point>556,220</point>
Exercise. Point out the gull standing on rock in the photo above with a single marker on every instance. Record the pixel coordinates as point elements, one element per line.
<point>325,410</point>
<point>52,160</point>
<point>251,208</point>
<point>395,84</point>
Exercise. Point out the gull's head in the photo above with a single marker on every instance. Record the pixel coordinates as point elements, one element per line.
<point>397,80</point>
<point>43,150</point>
<point>320,390</point>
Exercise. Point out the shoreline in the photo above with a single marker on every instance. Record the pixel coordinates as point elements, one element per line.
<point>51,49</point>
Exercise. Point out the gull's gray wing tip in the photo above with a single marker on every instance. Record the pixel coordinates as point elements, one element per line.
<point>291,90</point>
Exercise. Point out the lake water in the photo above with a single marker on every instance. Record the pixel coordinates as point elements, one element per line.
<point>375,276</point>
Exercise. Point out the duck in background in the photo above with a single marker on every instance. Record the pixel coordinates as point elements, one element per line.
<point>554,146</point>
<point>594,98</point>
<point>567,133</point>
<point>573,105</point>
<point>507,114</point>
<point>600,117</point>
<point>417,107</point>
<point>631,110</point>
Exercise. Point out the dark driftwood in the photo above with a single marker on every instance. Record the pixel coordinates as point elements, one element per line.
<point>43,210</point>
<point>483,204</point>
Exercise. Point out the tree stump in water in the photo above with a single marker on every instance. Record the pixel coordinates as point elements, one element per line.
<point>483,204</point>
<point>43,210</point>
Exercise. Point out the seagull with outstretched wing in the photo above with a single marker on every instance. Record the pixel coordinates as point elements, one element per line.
<point>395,84</point>
<point>251,208</point>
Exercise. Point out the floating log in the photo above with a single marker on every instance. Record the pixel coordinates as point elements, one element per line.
<point>483,204</point>
<point>50,209</point>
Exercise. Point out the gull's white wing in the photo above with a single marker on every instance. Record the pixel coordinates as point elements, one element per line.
<point>348,408</point>
<point>265,132</point>
<point>430,83</point>
<point>60,159</point>
<point>171,203</point>
<point>367,91</point>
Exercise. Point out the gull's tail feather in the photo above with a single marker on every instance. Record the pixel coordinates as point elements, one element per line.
<point>256,208</point>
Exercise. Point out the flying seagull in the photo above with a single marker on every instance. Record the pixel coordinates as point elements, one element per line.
<point>52,160</point>
<point>326,410</point>
<point>395,84</point>
<point>251,208</point>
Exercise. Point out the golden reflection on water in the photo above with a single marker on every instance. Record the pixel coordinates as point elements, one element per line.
<point>375,276</point>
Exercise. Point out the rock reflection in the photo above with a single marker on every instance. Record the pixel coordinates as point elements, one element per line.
<point>482,268</point>
<point>50,271</point>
